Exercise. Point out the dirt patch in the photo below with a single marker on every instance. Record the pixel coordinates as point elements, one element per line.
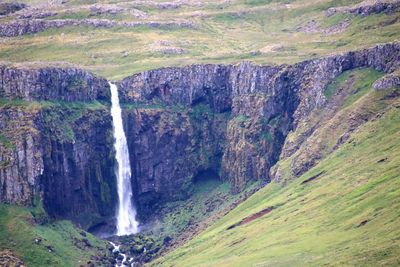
<point>313,177</point>
<point>251,217</point>
<point>382,160</point>
<point>7,258</point>
<point>237,242</point>
<point>338,28</point>
<point>362,223</point>
<point>314,27</point>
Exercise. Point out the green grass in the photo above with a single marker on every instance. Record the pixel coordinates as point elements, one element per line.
<point>5,141</point>
<point>60,115</point>
<point>240,118</point>
<point>193,210</point>
<point>364,80</point>
<point>360,81</point>
<point>209,197</point>
<point>225,33</point>
<point>352,103</point>
<point>200,111</point>
<point>317,223</point>
<point>19,229</point>
<point>92,105</point>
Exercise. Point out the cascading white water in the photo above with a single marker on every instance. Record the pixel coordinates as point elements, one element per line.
<point>126,213</point>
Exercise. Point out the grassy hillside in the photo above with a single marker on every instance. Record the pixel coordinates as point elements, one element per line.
<point>39,242</point>
<point>343,212</point>
<point>263,31</point>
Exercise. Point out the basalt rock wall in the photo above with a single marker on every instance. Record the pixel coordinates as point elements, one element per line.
<point>231,120</point>
<point>262,104</point>
<point>56,142</point>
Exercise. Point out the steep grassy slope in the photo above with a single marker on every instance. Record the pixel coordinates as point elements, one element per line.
<point>343,212</point>
<point>37,242</point>
<point>328,127</point>
<point>222,32</point>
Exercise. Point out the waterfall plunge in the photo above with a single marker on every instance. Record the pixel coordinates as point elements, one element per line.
<point>126,213</point>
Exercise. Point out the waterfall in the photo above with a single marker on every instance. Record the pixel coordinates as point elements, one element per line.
<point>126,213</point>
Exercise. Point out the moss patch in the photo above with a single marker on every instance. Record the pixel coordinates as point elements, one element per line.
<point>45,244</point>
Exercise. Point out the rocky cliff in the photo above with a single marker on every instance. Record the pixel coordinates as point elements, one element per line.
<point>256,108</point>
<point>28,26</point>
<point>51,83</point>
<point>233,121</point>
<point>56,142</point>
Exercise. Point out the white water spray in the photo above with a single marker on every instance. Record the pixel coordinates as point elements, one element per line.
<point>126,213</point>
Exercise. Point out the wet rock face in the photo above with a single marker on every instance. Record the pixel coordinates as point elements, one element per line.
<point>50,83</point>
<point>65,165</point>
<point>78,180</point>
<point>256,94</point>
<point>168,148</point>
<point>186,86</point>
<point>21,163</point>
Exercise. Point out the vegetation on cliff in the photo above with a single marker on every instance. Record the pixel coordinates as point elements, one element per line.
<point>344,211</point>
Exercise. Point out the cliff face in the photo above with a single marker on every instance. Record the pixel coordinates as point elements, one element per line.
<point>58,150</point>
<point>169,148</point>
<point>243,114</point>
<point>50,83</point>
<point>78,180</point>
<point>234,121</point>
<point>261,106</point>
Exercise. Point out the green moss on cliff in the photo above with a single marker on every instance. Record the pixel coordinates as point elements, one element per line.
<point>62,116</point>
<point>199,111</point>
<point>239,120</point>
<point>6,142</point>
<point>360,80</point>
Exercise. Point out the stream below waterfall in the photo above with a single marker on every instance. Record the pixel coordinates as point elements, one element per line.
<point>121,258</point>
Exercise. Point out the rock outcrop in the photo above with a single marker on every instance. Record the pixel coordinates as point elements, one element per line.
<point>391,80</point>
<point>8,8</point>
<point>27,26</point>
<point>7,258</point>
<point>367,8</point>
<point>51,83</point>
